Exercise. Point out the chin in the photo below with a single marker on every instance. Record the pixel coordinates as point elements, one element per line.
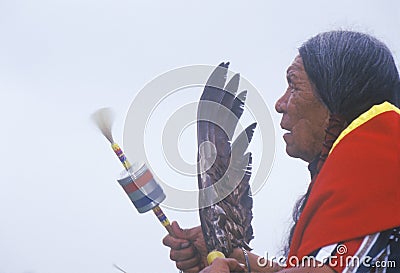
<point>292,151</point>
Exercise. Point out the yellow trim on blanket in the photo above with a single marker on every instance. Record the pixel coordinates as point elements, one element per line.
<point>365,117</point>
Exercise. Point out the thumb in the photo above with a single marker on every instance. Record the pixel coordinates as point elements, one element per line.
<point>180,233</point>
<point>234,265</point>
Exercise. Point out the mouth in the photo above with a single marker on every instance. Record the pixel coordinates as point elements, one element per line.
<point>286,128</point>
<point>287,136</point>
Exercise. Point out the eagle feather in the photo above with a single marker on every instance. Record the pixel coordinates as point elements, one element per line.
<point>224,166</point>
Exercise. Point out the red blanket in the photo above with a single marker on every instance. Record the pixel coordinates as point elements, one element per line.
<point>357,191</point>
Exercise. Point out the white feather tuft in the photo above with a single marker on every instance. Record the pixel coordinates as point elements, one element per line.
<point>104,118</point>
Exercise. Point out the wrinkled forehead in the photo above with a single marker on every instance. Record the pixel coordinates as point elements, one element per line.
<point>296,66</point>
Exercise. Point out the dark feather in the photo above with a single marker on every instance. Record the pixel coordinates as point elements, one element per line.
<point>224,166</point>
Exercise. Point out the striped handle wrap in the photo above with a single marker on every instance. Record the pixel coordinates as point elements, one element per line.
<point>144,192</point>
<point>161,216</point>
<point>121,156</point>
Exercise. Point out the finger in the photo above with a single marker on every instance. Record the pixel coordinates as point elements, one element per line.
<point>188,264</point>
<point>187,234</point>
<point>234,265</point>
<point>178,231</point>
<point>183,254</point>
<point>175,243</point>
<point>195,269</point>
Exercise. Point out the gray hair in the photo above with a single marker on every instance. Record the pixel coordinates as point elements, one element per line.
<point>352,71</point>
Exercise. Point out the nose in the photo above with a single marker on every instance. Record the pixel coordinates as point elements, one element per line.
<point>281,103</point>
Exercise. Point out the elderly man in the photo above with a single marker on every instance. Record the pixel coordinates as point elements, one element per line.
<point>341,113</point>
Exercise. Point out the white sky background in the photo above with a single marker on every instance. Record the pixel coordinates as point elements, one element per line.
<point>61,209</point>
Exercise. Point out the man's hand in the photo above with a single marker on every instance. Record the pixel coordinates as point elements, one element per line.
<point>188,248</point>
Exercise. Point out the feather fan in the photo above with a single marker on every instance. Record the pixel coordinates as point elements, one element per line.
<point>224,166</point>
